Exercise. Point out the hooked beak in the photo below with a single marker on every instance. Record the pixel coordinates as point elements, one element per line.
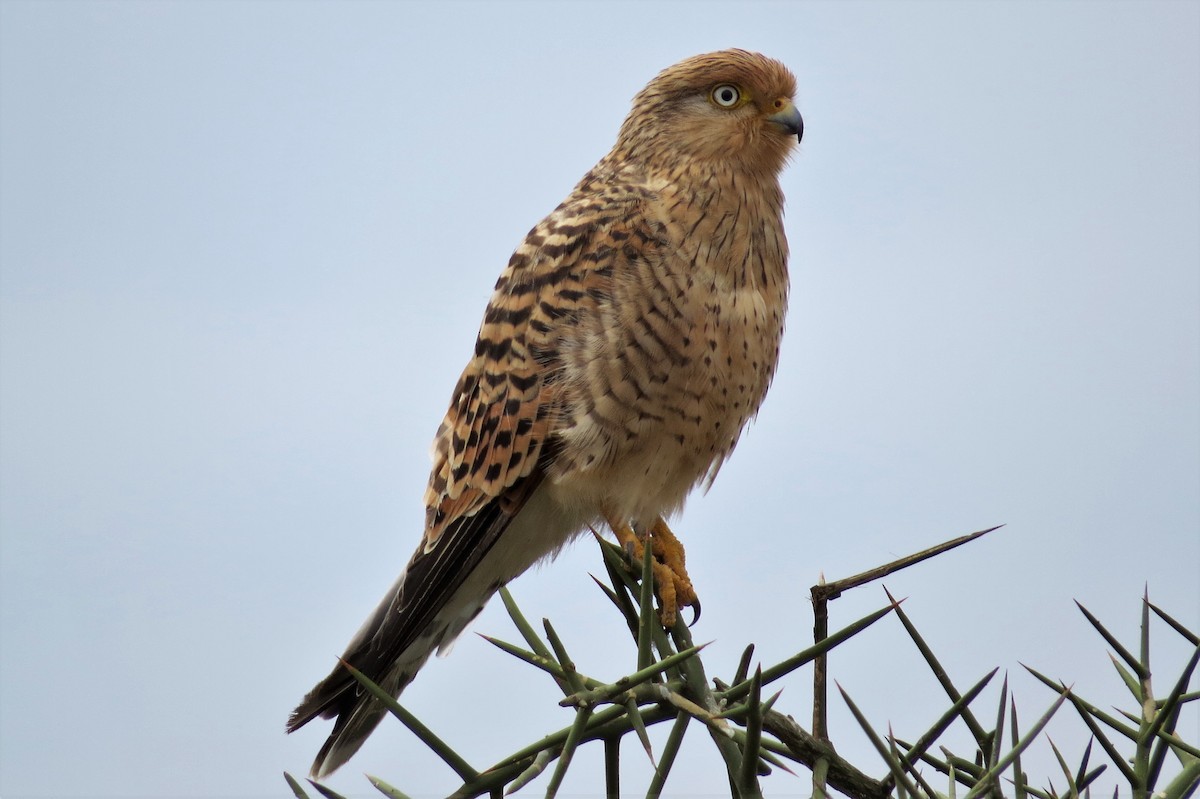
<point>788,118</point>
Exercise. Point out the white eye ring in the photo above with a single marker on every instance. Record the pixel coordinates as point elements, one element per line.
<point>726,95</point>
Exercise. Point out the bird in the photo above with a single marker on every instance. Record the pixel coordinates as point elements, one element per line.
<point>629,340</point>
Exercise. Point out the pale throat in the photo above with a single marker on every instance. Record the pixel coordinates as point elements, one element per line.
<point>729,222</point>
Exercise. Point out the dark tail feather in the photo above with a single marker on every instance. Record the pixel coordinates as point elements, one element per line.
<point>357,712</point>
<point>419,614</point>
<point>339,696</point>
<point>323,697</point>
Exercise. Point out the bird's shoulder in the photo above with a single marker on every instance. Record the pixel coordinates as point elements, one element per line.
<point>607,208</point>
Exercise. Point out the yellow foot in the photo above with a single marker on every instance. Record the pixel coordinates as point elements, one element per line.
<point>670,575</point>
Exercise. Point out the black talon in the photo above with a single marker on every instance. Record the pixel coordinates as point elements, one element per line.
<point>695,606</point>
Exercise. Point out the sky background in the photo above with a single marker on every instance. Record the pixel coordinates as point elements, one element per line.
<point>244,252</point>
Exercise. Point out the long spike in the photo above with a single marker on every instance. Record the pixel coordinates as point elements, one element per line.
<point>910,768</point>
<point>294,784</point>
<point>835,589</point>
<point>998,767</point>
<point>568,752</point>
<point>639,727</point>
<point>918,749</point>
<point>901,779</point>
<point>1125,654</point>
<point>667,759</point>
<point>806,656</point>
<point>522,624</point>
<point>646,617</point>
<point>439,747</point>
<point>385,789</point>
<point>564,660</point>
<point>940,673</point>
<point>1188,635</point>
<point>748,779</point>
<point>1019,782</point>
<point>998,733</point>
<point>1165,719</point>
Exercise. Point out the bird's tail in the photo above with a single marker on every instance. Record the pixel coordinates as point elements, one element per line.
<point>438,594</point>
<point>340,696</point>
<point>357,713</point>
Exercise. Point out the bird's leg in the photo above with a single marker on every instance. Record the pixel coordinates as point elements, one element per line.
<point>670,575</point>
<point>669,549</point>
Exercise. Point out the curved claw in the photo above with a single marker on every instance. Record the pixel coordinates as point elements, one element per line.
<point>695,606</point>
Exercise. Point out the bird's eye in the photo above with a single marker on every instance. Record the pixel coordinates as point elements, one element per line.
<point>726,95</point>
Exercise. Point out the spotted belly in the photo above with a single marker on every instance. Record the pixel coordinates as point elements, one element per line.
<point>656,413</point>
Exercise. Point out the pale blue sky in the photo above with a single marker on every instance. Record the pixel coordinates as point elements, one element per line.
<point>244,251</point>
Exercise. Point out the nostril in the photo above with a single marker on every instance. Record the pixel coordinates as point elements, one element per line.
<point>778,104</point>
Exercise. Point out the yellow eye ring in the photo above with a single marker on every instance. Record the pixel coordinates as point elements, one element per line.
<point>726,95</point>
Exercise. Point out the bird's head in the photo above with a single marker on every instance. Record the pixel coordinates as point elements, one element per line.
<point>732,107</point>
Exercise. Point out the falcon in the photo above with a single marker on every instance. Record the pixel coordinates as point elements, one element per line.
<point>629,340</point>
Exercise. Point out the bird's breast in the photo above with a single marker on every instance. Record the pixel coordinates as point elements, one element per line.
<point>662,380</point>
